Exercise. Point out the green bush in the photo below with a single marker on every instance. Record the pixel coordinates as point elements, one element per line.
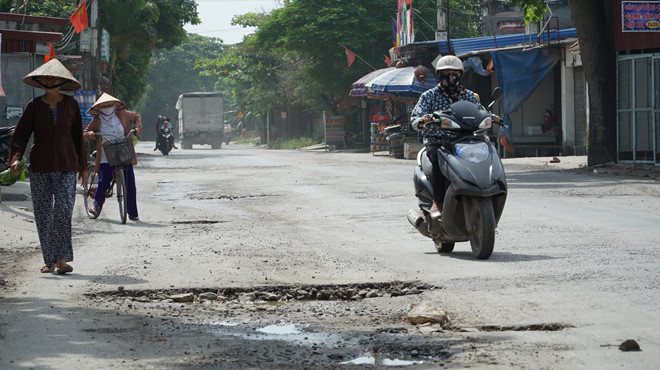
<point>293,143</point>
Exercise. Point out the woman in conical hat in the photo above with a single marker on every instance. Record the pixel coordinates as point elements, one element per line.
<point>56,156</point>
<point>113,121</point>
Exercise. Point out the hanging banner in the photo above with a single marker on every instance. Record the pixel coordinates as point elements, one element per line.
<point>640,16</point>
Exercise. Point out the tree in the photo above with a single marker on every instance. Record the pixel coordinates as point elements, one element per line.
<point>138,28</point>
<point>172,72</point>
<point>593,21</point>
<point>313,30</point>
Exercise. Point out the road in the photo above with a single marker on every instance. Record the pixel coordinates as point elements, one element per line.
<point>305,259</point>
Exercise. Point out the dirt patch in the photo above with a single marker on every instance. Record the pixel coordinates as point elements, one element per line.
<point>633,171</point>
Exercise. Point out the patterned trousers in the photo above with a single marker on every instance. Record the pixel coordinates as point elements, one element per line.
<point>53,197</point>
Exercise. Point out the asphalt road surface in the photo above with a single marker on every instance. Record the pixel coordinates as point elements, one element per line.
<point>252,258</point>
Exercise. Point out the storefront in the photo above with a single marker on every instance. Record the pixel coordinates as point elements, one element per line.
<point>637,43</point>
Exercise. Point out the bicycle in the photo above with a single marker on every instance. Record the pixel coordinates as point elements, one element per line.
<point>119,154</point>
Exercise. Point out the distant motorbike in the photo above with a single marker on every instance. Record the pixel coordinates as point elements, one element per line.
<point>5,140</point>
<point>165,140</point>
<point>476,186</point>
<point>227,133</point>
<point>397,135</point>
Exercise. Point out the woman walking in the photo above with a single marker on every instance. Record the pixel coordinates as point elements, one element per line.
<point>56,155</point>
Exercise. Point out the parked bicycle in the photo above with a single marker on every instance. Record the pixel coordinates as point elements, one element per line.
<point>119,152</point>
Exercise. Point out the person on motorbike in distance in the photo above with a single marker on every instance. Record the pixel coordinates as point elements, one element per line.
<point>164,127</point>
<point>159,123</point>
<point>449,70</point>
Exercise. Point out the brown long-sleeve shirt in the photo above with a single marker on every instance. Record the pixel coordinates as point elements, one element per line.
<point>57,146</point>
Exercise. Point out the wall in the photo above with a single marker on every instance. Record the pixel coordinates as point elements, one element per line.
<point>14,67</point>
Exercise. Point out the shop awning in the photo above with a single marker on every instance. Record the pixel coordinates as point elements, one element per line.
<point>464,47</point>
<point>359,89</point>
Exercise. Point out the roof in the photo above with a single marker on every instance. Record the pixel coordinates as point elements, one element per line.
<point>46,21</point>
<point>200,94</point>
<point>21,33</point>
<point>462,47</point>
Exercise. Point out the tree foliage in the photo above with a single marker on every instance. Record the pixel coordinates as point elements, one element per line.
<point>172,72</point>
<point>464,18</point>
<point>137,29</point>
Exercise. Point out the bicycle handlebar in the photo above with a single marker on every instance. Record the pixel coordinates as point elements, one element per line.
<point>132,131</point>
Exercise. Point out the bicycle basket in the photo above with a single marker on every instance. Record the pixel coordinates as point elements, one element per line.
<point>119,152</point>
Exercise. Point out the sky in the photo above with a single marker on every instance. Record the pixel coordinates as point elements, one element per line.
<point>216,17</point>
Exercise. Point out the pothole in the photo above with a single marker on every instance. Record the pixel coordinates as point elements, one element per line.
<point>533,327</point>
<point>278,293</point>
<point>226,197</point>
<point>198,222</point>
<point>379,360</point>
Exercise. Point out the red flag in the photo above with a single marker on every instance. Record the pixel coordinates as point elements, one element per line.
<point>51,54</point>
<point>79,17</point>
<point>388,61</point>
<point>350,56</point>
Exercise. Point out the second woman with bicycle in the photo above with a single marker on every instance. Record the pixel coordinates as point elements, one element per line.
<point>112,120</point>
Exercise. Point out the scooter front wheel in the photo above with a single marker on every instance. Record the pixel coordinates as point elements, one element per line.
<point>443,247</point>
<point>482,221</point>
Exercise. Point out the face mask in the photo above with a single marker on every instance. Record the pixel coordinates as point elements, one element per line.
<point>108,111</point>
<point>450,82</point>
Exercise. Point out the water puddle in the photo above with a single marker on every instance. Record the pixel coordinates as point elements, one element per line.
<point>279,329</point>
<point>369,360</point>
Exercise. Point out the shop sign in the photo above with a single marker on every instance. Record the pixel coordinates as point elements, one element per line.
<point>85,99</point>
<point>334,130</point>
<point>640,16</point>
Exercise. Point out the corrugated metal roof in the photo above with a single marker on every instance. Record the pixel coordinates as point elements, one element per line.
<point>469,45</point>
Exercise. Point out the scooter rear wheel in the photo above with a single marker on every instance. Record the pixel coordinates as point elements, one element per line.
<point>482,218</point>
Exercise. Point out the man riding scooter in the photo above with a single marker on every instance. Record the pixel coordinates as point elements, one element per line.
<point>449,70</point>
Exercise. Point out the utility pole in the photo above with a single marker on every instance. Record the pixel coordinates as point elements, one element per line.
<point>90,48</point>
<point>442,33</point>
<point>96,45</point>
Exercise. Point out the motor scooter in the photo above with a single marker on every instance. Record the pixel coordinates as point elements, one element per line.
<point>476,183</point>
<point>5,140</point>
<point>165,140</point>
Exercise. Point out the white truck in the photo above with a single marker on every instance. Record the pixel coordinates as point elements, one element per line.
<point>201,119</point>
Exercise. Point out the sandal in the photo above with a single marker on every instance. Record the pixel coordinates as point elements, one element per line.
<point>64,269</point>
<point>45,269</point>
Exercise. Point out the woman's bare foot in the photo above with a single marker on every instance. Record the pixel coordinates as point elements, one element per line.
<point>62,267</point>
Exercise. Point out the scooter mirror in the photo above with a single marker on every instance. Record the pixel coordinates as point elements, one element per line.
<point>495,96</point>
<point>497,93</point>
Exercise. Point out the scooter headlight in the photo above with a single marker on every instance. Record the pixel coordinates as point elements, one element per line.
<point>475,153</point>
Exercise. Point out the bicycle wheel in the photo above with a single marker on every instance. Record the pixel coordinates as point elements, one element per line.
<point>121,194</point>
<point>89,189</point>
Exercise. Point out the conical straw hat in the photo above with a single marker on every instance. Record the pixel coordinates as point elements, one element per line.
<point>53,68</point>
<point>105,98</point>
